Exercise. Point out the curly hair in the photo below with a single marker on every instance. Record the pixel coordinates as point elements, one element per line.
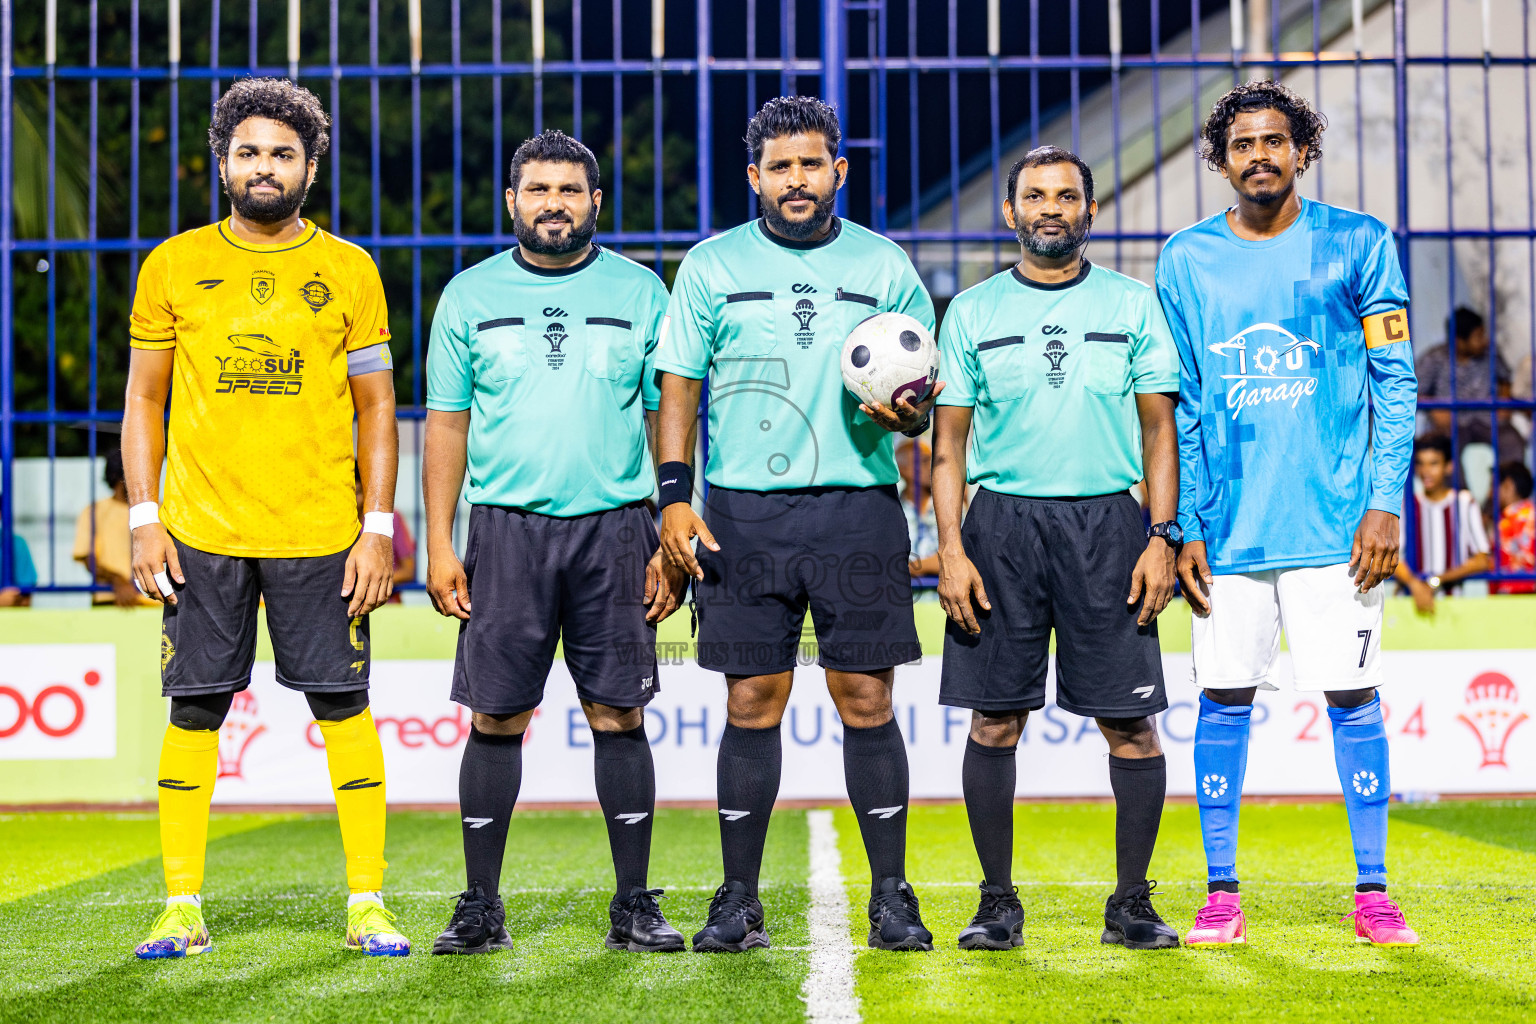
<point>277,99</point>
<point>1307,125</point>
<point>554,146</point>
<point>792,115</point>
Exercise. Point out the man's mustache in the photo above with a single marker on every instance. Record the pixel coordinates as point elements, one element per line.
<point>1261,169</point>
<point>264,180</point>
<point>1045,221</point>
<point>797,195</point>
<point>553,218</point>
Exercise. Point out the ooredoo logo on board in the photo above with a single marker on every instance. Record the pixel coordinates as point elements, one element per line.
<point>58,701</point>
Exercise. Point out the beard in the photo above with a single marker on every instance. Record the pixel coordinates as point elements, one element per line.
<point>800,230</point>
<point>574,240</point>
<point>262,209</point>
<point>1269,195</point>
<point>1061,245</point>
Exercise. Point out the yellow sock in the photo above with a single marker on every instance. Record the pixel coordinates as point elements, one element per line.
<point>189,763</point>
<point>356,762</point>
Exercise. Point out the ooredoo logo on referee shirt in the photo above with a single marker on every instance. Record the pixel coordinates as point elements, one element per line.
<point>58,701</point>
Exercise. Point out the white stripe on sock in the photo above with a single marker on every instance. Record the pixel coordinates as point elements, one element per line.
<point>828,990</point>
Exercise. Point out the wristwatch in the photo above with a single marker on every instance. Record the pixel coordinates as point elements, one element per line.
<point>1169,531</point>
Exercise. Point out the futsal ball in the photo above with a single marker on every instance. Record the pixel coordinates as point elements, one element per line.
<point>888,357</point>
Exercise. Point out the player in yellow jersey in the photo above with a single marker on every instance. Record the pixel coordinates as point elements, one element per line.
<point>275,335</point>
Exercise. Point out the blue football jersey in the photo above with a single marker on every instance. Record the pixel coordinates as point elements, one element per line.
<point>1297,393</point>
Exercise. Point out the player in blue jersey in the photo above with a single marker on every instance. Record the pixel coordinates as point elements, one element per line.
<point>802,510</point>
<point>1295,418</point>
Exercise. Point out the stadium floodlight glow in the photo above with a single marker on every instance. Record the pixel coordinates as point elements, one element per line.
<point>414,14</point>
<point>293,39</point>
<point>536,13</point>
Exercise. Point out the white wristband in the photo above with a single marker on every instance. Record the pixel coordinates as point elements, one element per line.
<point>379,522</point>
<point>142,514</point>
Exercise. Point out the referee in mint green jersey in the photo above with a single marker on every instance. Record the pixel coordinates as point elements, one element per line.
<point>802,509</point>
<point>1064,378</point>
<point>539,377</point>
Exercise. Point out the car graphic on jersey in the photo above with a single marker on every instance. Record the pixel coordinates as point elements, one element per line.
<point>1258,379</point>
<point>259,366</point>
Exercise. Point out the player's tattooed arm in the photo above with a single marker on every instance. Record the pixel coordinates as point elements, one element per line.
<point>370,573</point>
<point>1152,579</point>
<point>443,459</point>
<point>1373,557</point>
<point>678,435</point>
<point>960,588</point>
<point>149,387</point>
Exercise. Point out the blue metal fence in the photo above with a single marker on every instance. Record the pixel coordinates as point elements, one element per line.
<point>102,105</point>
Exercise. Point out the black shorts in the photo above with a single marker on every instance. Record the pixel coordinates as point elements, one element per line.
<point>1062,564</point>
<point>208,637</point>
<point>842,552</point>
<point>535,580</point>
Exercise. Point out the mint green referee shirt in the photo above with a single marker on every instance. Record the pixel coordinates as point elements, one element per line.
<point>1053,372</point>
<point>555,368</point>
<point>765,319</point>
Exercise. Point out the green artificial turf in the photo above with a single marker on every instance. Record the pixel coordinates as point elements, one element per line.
<point>275,901</point>
<point>78,890</point>
<point>1465,875</point>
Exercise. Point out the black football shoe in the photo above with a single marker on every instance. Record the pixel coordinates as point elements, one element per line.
<point>479,925</point>
<point>638,925</point>
<point>893,919</point>
<point>735,922</point>
<point>999,920</point>
<point>1131,922</point>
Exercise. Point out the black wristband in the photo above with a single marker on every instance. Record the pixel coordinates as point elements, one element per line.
<point>675,483</point>
<point>918,430</point>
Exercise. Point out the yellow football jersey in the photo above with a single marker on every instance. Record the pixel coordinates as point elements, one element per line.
<point>259,459</point>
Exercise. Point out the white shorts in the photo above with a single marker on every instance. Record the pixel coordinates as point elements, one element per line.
<point>1333,630</point>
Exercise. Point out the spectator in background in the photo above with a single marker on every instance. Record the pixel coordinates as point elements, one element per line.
<point>102,542</point>
<point>1442,534</point>
<point>1470,348</point>
<point>404,543</point>
<point>917,502</point>
<point>20,595</point>
<point>1517,528</point>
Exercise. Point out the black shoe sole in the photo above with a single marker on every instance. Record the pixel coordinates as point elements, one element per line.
<point>1114,938</point>
<point>753,940</point>
<point>910,944</point>
<point>636,947</point>
<point>983,942</point>
<point>489,946</point>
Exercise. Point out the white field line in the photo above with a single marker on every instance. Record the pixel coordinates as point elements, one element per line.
<point>828,990</point>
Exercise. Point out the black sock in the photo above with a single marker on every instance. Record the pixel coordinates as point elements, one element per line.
<point>1221,887</point>
<point>875,767</point>
<point>747,774</point>
<point>1140,784</point>
<point>626,789</point>
<point>988,776</point>
<point>489,777</point>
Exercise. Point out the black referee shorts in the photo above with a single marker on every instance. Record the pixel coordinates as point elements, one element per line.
<point>208,638</point>
<point>839,551</point>
<point>1062,564</point>
<point>535,580</point>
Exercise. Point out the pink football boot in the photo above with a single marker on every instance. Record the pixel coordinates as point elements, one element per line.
<point>1220,922</point>
<point>1380,922</point>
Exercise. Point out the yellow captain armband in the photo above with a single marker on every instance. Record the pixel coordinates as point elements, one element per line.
<point>1387,328</point>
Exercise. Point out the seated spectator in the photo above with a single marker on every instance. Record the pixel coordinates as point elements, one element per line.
<point>1470,348</point>
<point>1517,528</point>
<point>917,501</point>
<point>1442,533</point>
<point>20,595</point>
<point>404,543</point>
<point>103,542</point>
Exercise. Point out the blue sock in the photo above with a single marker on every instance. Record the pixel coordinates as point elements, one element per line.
<point>1221,758</point>
<point>1360,753</point>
